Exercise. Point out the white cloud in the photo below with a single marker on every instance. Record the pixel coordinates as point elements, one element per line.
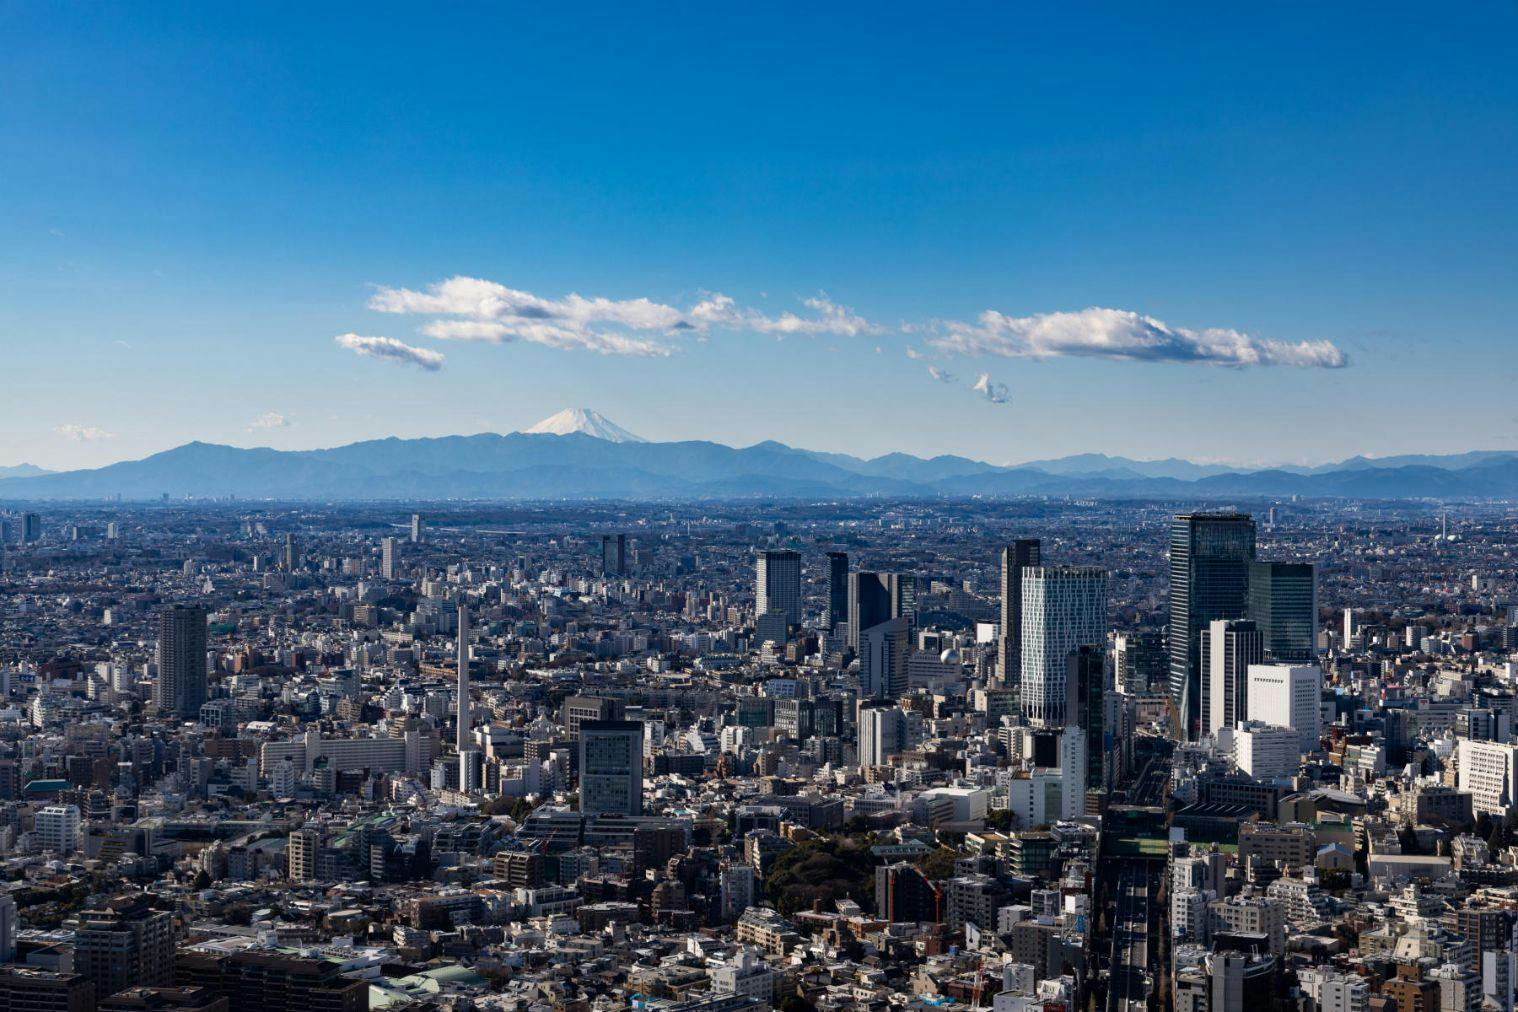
<point>1128,336</point>
<point>473,309</point>
<point>940,375</point>
<point>913,354</point>
<point>269,420</point>
<point>389,349</point>
<point>996,393</point>
<point>83,433</point>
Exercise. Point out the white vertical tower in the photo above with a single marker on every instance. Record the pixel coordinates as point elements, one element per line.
<point>463,736</point>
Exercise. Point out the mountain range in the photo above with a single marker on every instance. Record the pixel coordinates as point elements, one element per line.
<point>579,454</point>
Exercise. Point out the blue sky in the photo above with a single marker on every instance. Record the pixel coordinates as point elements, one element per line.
<point>197,201</point>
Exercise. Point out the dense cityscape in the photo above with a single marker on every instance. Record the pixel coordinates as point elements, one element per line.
<point>1028,754</point>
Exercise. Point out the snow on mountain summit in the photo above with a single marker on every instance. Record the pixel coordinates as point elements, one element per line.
<point>586,421</point>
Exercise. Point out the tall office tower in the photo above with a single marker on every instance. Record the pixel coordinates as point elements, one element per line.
<point>181,686</point>
<point>611,767</point>
<point>614,555</point>
<point>1085,696</point>
<point>1283,602</point>
<point>125,943</point>
<point>416,528</point>
<point>462,740</point>
<point>1351,626</point>
<point>390,558</point>
<point>875,598</point>
<point>882,734</point>
<point>778,585</point>
<point>1288,695</point>
<point>884,649</point>
<point>838,589</point>
<point>1024,553</point>
<point>289,558</point>
<point>579,710</point>
<point>113,531</point>
<point>31,528</point>
<point>1064,608</point>
<point>1140,662</point>
<point>1209,579</point>
<point>1228,648</point>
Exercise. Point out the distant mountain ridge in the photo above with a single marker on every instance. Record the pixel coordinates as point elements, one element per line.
<point>23,471</point>
<point>579,465</point>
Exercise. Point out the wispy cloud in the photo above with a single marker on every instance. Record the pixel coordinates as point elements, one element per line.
<point>391,350</point>
<point>269,420</point>
<point>474,309</point>
<point>1128,336</point>
<point>940,375</point>
<point>76,433</point>
<point>996,393</point>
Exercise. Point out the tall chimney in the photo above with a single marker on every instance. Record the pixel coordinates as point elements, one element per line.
<point>463,741</point>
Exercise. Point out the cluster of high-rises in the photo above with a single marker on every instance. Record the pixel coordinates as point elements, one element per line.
<point>1028,756</point>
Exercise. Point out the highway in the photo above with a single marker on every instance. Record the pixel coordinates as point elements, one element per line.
<point>1129,984</point>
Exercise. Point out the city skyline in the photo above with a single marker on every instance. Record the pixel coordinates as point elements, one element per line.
<point>321,249</point>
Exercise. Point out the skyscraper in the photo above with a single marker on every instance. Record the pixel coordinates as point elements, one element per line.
<point>882,734</point>
<point>778,585</point>
<point>1016,557</point>
<point>1085,690</point>
<point>390,561</point>
<point>1064,608</point>
<point>31,528</point>
<point>611,767</point>
<point>838,589</point>
<point>181,686</point>
<point>1288,695</point>
<point>1209,579</point>
<point>463,674</point>
<point>416,528</point>
<point>1228,647</point>
<point>883,652</point>
<point>875,598</point>
<point>1283,602</point>
<point>289,559</point>
<point>614,555</point>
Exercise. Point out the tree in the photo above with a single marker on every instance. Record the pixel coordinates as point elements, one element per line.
<point>825,870</point>
<point>939,864</point>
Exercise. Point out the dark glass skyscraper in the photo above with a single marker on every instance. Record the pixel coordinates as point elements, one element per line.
<point>838,588</point>
<point>1021,554</point>
<point>1283,602</point>
<point>1210,555</point>
<point>181,686</point>
<point>875,598</point>
<point>614,554</point>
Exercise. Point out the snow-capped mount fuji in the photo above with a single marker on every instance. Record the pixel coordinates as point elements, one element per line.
<point>586,422</point>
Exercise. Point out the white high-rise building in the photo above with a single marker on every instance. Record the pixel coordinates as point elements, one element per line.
<point>1265,752</point>
<point>882,734</point>
<point>884,650</point>
<point>1063,608</point>
<point>1487,771</point>
<point>1288,695</point>
<point>390,558</point>
<point>1229,647</point>
<point>416,528</point>
<point>778,585</point>
<point>57,828</point>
